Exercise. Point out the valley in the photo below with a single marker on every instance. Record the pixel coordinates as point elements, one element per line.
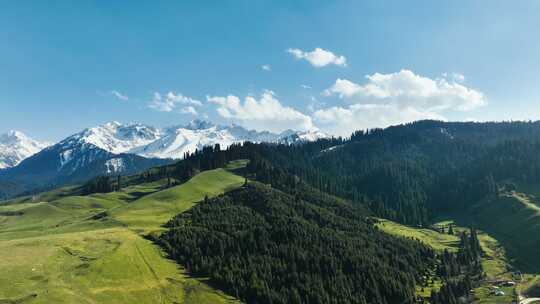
<point>495,262</point>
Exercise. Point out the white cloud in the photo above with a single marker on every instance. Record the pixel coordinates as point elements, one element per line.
<point>266,67</point>
<point>119,96</point>
<point>266,113</point>
<point>305,86</point>
<point>405,88</point>
<point>189,110</point>
<point>171,101</point>
<point>345,120</point>
<point>388,99</point>
<point>344,88</point>
<point>319,57</point>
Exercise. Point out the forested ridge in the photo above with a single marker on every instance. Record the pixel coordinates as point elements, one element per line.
<point>325,191</point>
<point>265,246</point>
<point>409,173</point>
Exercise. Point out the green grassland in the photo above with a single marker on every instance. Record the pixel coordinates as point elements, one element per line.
<point>45,196</point>
<point>90,249</point>
<point>512,241</point>
<point>494,260</point>
<point>150,212</point>
<point>430,237</point>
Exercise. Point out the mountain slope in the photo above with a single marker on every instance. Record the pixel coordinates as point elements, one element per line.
<point>114,148</point>
<point>15,147</point>
<point>413,173</point>
<point>270,247</point>
<point>69,162</point>
<point>115,137</point>
<point>78,250</point>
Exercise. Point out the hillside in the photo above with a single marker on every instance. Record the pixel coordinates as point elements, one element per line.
<point>414,173</point>
<point>266,246</point>
<point>86,249</point>
<point>495,261</point>
<point>513,217</point>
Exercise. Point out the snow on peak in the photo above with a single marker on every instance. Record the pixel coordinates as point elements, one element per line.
<point>177,141</point>
<point>134,138</point>
<point>293,137</point>
<point>115,137</point>
<point>15,146</point>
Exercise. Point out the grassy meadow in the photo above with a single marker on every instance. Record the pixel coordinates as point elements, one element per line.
<point>91,249</point>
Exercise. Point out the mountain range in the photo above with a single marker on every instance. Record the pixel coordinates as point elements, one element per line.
<point>16,146</point>
<point>114,148</point>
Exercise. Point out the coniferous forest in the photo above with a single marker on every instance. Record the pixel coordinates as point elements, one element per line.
<point>304,235</point>
<point>264,246</point>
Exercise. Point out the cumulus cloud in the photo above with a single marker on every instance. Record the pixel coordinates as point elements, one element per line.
<point>405,88</point>
<point>344,88</point>
<point>171,101</point>
<point>119,96</point>
<point>266,67</point>
<point>265,113</point>
<point>387,99</point>
<point>345,120</point>
<point>319,57</point>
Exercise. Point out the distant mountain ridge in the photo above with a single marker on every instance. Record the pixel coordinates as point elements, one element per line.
<point>147,141</point>
<point>173,142</point>
<point>117,149</point>
<point>15,146</point>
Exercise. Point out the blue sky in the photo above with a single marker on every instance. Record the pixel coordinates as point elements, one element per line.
<point>62,63</point>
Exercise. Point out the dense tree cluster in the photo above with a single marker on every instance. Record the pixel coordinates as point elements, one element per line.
<point>103,184</point>
<point>459,271</point>
<point>265,246</point>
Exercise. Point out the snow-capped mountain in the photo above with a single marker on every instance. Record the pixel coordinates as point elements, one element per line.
<point>115,137</point>
<point>15,147</point>
<point>173,142</point>
<point>293,137</point>
<point>114,148</point>
<point>176,141</point>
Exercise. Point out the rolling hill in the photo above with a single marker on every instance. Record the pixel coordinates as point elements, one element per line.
<point>85,249</point>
